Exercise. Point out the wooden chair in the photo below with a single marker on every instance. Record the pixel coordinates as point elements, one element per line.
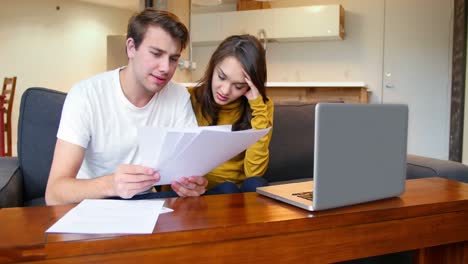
<point>2,127</point>
<point>8,93</point>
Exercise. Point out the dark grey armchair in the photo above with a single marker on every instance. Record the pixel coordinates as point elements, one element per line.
<point>23,179</point>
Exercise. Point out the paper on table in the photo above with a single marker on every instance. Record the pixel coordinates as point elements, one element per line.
<point>105,216</point>
<point>206,151</point>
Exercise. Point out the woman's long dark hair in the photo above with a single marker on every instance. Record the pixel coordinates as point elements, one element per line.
<point>248,50</point>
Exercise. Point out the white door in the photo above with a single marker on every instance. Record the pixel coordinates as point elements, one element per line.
<point>417,63</point>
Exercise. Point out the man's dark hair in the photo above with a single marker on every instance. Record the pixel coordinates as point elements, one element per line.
<point>138,25</point>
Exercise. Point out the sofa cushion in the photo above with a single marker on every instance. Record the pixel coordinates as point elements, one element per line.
<point>39,119</point>
<point>11,185</point>
<point>292,143</point>
<point>423,167</point>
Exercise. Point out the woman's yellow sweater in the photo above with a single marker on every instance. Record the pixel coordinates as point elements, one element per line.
<point>254,160</point>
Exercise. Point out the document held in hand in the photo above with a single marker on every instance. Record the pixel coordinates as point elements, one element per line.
<point>178,153</point>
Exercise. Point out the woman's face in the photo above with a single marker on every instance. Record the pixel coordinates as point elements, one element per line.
<point>228,81</point>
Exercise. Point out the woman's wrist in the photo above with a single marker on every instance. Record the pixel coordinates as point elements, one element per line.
<point>256,101</point>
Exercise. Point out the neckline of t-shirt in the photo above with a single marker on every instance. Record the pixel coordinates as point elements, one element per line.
<point>124,99</point>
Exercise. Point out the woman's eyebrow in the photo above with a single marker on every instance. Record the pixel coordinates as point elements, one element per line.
<point>221,71</point>
<point>227,77</point>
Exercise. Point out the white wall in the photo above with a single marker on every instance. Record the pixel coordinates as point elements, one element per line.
<point>54,48</point>
<point>359,57</point>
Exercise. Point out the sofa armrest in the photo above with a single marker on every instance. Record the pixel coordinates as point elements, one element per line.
<point>423,167</point>
<point>11,183</point>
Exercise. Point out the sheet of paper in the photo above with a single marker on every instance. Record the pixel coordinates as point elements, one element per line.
<point>206,151</point>
<point>166,210</point>
<point>172,144</point>
<point>157,137</point>
<point>176,142</point>
<point>201,128</point>
<point>177,153</point>
<point>158,145</point>
<point>106,216</point>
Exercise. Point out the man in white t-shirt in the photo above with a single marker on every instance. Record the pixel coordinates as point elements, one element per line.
<point>96,155</point>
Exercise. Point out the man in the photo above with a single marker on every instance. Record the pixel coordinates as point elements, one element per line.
<point>96,151</point>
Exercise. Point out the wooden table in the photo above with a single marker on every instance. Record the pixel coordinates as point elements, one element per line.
<point>430,217</point>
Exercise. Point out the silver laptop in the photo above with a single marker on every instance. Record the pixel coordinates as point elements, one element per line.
<point>359,156</point>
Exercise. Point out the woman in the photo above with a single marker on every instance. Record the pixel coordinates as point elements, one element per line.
<point>232,91</point>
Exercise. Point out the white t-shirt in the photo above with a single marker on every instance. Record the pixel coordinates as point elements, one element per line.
<point>97,116</point>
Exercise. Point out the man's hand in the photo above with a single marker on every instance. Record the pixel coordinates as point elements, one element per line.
<point>190,186</point>
<point>129,180</point>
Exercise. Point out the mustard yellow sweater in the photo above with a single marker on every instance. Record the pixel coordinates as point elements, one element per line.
<point>254,160</point>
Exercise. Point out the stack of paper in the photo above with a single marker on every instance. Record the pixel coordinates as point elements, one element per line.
<point>192,152</point>
<point>105,216</point>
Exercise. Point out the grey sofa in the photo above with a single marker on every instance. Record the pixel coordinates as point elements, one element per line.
<point>23,179</point>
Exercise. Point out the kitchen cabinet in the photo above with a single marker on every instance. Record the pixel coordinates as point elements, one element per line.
<point>306,23</point>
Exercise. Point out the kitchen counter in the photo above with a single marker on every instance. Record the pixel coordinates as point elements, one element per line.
<point>303,84</point>
<point>303,92</point>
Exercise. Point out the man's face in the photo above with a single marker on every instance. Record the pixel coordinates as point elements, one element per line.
<point>155,61</point>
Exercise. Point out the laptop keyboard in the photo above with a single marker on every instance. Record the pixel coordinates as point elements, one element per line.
<point>305,195</point>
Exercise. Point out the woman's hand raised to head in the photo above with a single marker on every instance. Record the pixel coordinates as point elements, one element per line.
<point>252,93</point>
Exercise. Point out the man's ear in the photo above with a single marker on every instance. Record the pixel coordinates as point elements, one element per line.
<point>131,49</point>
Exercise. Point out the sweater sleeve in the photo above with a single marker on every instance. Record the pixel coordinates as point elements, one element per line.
<point>257,156</point>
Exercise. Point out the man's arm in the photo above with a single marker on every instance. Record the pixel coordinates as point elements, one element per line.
<point>63,187</point>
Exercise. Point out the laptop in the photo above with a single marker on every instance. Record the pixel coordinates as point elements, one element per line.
<point>359,156</point>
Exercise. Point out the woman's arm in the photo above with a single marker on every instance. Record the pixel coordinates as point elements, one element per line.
<point>257,156</point>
